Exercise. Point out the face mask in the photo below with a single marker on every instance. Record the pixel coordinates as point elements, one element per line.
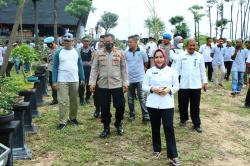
<point>109,46</point>
<point>180,45</point>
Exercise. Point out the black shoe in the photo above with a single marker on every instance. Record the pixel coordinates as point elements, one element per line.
<point>82,102</point>
<point>132,118</point>
<point>156,155</point>
<point>74,122</point>
<point>221,85</point>
<point>175,161</point>
<point>53,102</point>
<point>61,126</point>
<point>182,124</point>
<point>233,93</point>
<point>105,133</point>
<point>198,129</point>
<point>146,118</point>
<point>120,130</point>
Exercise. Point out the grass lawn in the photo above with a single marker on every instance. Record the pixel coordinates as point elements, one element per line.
<point>225,140</point>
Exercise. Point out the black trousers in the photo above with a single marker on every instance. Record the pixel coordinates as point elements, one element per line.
<point>209,67</point>
<point>166,116</point>
<point>82,88</point>
<point>118,103</point>
<point>193,96</point>
<point>54,92</point>
<point>247,102</point>
<point>96,97</point>
<point>228,66</point>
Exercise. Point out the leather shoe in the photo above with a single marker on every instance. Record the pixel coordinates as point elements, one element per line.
<point>198,129</point>
<point>105,133</point>
<point>120,130</point>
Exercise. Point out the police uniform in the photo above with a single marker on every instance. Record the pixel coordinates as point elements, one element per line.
<point>109,73</point>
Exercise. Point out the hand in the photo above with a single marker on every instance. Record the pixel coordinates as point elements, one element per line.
<point>165,91</point>
<point>125,88</point>
<point>204,86</point>
<point>156,90</point>
<point>92,88</point>
<point>55,87</point>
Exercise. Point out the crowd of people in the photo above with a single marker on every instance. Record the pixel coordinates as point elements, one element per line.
<point>151,73</point>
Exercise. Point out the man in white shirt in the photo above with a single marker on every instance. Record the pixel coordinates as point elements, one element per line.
<point>191,68</point>
<point>229,51</point>
<point>205,50</point>
<point>151,46</point>
<point>66,73</point>
<point>218,53</point>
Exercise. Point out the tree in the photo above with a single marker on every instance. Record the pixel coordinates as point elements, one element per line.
<point>231,18</point>
<point>222,25</point>
<point>244,20</point>
<point>210,4</point>
<point>12,36</point>
<point>195,10</point>
<point>2,2</point>
<point>181,27</point>
<point>35,20</point>
<point>156,26</point>
<point>55,20</point>
<point>79,9</point>
<point>108,21</point>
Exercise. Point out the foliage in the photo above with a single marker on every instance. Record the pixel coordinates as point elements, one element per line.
<point>2,3</point>
<point>181,27</point>
<point>155,26</point>
<point>108,21</point>
<point>8,92</point>
<point>78,8</point>
<point>25,53</point>
<point>120,44</point>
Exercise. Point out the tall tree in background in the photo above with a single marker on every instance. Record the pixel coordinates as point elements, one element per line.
<point>210,4</point>
<point>247,5</point>
<point>35,20</point>
<point>181,27</point>
<point>195,10</point>
<point>222,25</point>
<point>108,21</point>
<point>79,9</point>
<point>155,26</point>
<point>55,20</point>
<point>231,18</point>
<point>19,14</point>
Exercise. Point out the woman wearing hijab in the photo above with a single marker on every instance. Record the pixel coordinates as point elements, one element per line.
<point>161,82</point>
<point>176,51</point>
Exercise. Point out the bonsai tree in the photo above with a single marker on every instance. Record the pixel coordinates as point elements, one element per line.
<point>26,54</point>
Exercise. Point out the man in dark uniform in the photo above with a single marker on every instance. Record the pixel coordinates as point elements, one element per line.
<point>86,54</point>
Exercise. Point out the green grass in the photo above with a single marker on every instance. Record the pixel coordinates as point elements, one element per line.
<point>81,145</point>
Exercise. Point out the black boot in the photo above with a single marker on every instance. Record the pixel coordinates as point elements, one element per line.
<point>105,133</point>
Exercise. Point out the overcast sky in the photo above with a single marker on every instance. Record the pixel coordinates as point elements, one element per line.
<point>132,14</point>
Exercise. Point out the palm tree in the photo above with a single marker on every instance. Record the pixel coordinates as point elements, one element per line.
<point>197,17</point>
<point>244,20</point>
<point>231,18</point>
<point>55,20</point>
<point>210,4</point>
<point>35,20</point>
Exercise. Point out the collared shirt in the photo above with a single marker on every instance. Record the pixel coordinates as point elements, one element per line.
<point>218,58</point>
<point>109,70</point>
<point>192,70</point>
<point>1,56</point>
<point>205,50</point>
<point>239,64</point>
<point>248,61</point>
<point>135,61</point>
<point>229,51</point>
<point>151,47</point>
<point>161,78</point>
<point>174,55</point>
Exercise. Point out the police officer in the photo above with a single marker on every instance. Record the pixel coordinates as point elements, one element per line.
<point>86,54</point>
<point>109,73</point>
<point>50,41</point>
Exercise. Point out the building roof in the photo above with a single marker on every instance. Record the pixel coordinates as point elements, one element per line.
<point>44,13</point>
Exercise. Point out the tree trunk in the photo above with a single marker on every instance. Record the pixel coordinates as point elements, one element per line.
<point>210,21</point>
<point>55,21</point>
<point>35,20</point>
<point>195,34</point>
<point>198,30</point>
<point>217,18</point>
<point>231,24</point>
<point>241,25</point>
<point>12,37</point>
<point>79,23</point>
<point>236,25</point>
<point>247,34</point>
<point>244,21</point>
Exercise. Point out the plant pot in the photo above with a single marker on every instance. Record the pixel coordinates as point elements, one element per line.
<point>7,118</point>
<point>4,152</point>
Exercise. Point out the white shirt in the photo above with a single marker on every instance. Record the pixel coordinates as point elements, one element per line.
<point>205,50</point>
<point>1,56</point>
<point>218,58</point>
<point>192,70</point>
<point>79,46</point>
<point>239,64</point>
<point>166,77</point>
<point>151,47</point>
<point>174,55</point>
<point>229,51</point>
<point>68,66</point>
<point>248,60</point>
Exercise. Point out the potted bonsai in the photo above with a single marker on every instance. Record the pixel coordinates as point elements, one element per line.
<point>26,54</point>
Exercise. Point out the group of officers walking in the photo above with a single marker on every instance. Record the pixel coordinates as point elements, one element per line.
<point>109,72</point>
